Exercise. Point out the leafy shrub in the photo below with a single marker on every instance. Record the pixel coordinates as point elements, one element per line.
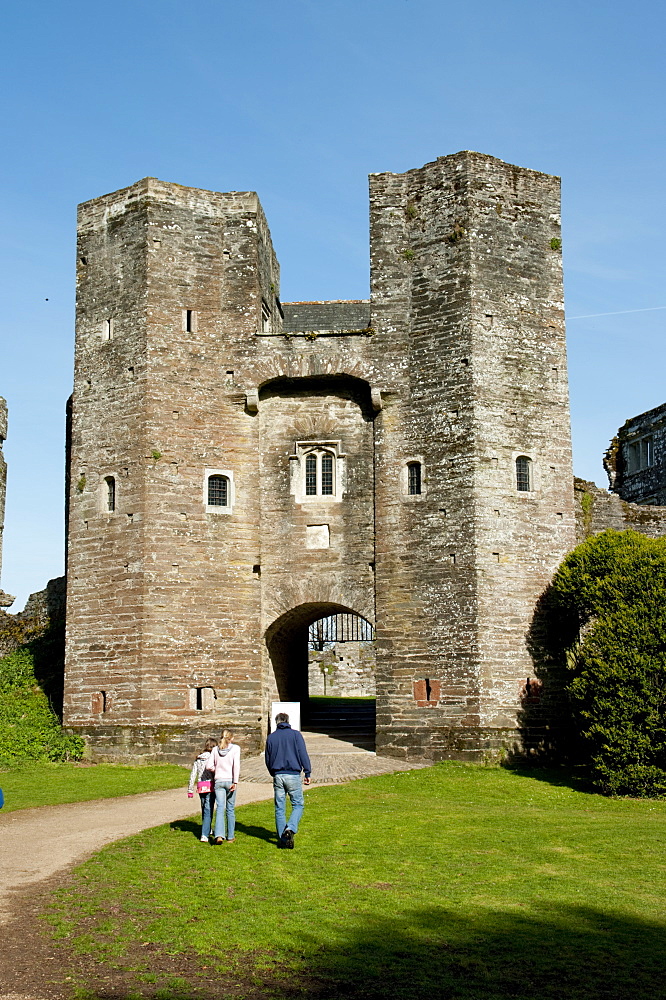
<point>607,627</point>
<point>29,728</point>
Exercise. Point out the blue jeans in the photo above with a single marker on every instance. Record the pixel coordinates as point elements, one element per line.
<point>288,785</point>
<point>207,800</point>
<point>225,802</point>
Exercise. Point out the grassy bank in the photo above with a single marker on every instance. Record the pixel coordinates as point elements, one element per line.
<point>50,784</point>
<point>456,881</point>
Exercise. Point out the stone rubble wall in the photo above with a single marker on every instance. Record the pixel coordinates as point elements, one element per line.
<point>598,510</point>
<point>646,485</point>
<point>349,669</point>
<point>339,316</point>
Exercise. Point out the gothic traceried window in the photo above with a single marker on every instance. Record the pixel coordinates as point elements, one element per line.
<point>319,474</point>
<point>311,476</point>
<point>327,474</point>
<point>317,471</point>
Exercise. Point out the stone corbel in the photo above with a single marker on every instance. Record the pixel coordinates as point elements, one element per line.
<point>376,398</point>
<point>252,401</point>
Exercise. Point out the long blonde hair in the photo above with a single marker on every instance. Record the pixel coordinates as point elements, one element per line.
<point>227,738</point>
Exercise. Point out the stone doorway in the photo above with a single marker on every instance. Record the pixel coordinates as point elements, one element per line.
<point>322,655</point>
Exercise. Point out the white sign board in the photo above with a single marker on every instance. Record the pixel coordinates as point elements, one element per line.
<point>290,708</point>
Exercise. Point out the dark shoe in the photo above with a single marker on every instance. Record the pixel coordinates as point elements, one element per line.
<point>288,839</point>
<point>219,840</point>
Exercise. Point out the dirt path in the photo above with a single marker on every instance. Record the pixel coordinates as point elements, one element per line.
<point>37,843</point>
<point>39,846</point>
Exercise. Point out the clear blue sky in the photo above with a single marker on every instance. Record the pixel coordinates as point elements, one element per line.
<point>300,100</point>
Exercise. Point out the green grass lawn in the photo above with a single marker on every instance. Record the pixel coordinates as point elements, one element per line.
<point>49,784</point>
<point>453,882</point>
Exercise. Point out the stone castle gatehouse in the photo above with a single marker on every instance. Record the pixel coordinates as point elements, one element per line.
<point>240,468</point>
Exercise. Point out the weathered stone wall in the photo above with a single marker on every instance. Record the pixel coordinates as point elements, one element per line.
<point>457,363</point>
<point>467,304</point>
<point>348,669</point>
<point>344,316</point>
<point>163,598</point>
<point>636,459</point>
<point>598,510</point>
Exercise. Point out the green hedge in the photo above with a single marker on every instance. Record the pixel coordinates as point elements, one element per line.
<point>29,728</point>
<point>607,610</point>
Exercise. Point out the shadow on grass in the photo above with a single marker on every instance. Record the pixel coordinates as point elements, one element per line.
<point>558,777</point>
<point>260,832</point>
<point>187,826</point>
<point>565,953</point>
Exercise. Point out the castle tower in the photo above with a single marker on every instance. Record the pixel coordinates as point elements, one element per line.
<point>467,295</point>
<point>163,606</point>
<point>240,469</point>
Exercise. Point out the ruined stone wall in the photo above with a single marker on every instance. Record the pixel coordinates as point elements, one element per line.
<point>597,510</point>
<point>467,301</point>
<point>344,670</point>
<point>636,459</point>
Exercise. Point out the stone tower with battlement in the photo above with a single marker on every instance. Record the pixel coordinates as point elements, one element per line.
<point>241,468</point>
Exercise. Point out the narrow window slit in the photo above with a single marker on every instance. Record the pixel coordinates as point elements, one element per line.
<point>110,493</point>
<point>414,478</point>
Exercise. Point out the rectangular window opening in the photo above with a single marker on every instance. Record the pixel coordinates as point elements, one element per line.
<point>218,491</point>
<point>110,493</point>
<point>414,478</point>
<point>265,317</point>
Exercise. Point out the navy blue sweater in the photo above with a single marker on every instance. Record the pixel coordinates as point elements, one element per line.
<point>285,751</point>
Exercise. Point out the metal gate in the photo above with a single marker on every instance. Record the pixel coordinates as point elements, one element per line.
<point>339,628</point>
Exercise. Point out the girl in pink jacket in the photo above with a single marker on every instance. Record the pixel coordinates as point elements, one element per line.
<point>225,764</point>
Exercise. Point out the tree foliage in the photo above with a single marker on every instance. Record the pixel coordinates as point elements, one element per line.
<point>607,629</point>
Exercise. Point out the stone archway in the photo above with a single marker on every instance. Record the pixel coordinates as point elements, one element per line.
<point>287,645</point>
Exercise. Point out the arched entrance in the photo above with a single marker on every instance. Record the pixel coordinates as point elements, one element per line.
<point>345,712</point>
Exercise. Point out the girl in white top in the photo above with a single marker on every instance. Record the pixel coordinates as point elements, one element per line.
<point>224,762</point>
<point>201,772</point>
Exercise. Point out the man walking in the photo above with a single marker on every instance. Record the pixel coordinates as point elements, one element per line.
<point>286,757</point>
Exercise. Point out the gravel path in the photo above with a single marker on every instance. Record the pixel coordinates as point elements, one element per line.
<point>38,844</point>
